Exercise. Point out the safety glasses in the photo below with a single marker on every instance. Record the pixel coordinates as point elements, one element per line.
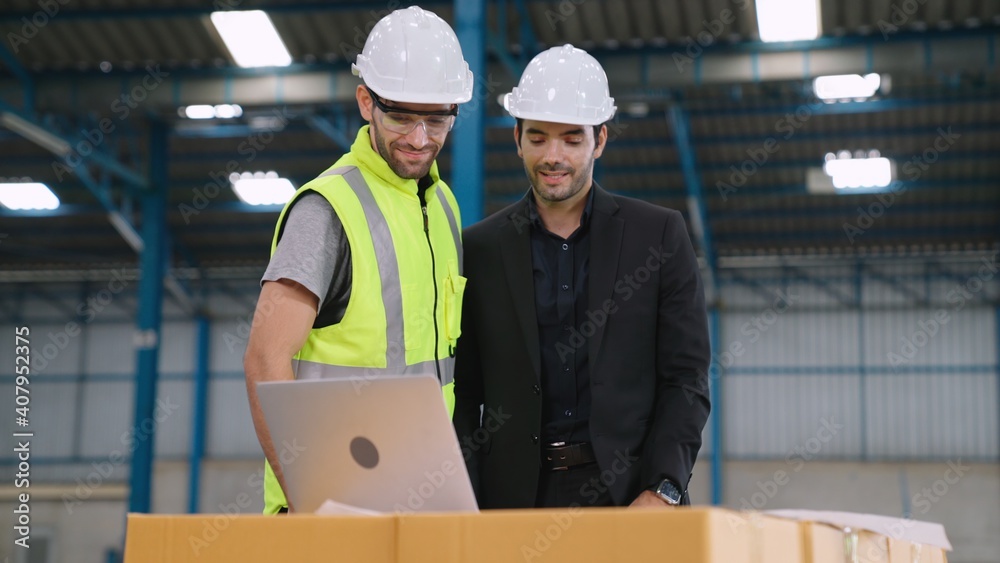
<point>403,121</point>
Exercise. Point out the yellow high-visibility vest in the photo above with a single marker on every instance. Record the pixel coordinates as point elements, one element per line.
<point>397,321</point>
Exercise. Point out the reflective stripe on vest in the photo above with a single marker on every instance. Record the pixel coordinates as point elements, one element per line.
<point>392,295</point>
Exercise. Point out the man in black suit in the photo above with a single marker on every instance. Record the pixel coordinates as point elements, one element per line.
<point>581,376</point>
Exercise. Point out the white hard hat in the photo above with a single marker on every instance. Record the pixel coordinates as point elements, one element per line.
<point>562,85</point>
<point>413,56</point>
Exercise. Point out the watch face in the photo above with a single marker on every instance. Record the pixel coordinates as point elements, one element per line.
<point>669,492</point>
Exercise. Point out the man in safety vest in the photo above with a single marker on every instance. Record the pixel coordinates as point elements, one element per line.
<point>366,260</point>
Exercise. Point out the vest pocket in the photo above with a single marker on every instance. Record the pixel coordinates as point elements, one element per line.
<point>454,290</point>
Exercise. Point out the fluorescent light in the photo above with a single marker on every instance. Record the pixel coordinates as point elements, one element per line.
<point>27,195</point>
<point>788,20</point>
<point>261,188</point>
<point>251,38</point>
<point>205,111</point>
<point>199,111</point>
<point>35,134</point>
<point>228,111</point>
<point>868,171</point>
<point>847,86</point>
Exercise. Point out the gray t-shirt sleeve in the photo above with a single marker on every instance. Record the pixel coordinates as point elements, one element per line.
<point>313,250</point>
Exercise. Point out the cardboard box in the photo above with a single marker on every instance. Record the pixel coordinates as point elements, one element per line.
<point>775,540</point>
<point>687,535</point>
<point>823,543</point>
<point>218,538</point>
<point>697,535</point>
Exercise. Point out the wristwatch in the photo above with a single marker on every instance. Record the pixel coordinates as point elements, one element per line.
<point>670,493</point>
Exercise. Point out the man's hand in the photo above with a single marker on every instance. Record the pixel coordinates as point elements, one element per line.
<point>649,499</point>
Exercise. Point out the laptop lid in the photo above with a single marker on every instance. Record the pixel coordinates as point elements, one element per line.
<point>384,444</point>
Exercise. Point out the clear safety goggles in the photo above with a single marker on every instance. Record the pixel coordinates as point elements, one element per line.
<point>403,121</point>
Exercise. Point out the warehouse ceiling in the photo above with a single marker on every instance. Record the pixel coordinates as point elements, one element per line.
<point>106,76</point>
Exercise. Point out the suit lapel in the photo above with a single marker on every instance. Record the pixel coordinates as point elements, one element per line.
<point>605,247</point>
<point>515,245</point>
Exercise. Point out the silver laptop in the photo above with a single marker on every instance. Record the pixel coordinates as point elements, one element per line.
<point>384,444</point>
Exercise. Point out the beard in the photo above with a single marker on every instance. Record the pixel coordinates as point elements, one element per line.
<point>573,182</point>
<point>405,168</point>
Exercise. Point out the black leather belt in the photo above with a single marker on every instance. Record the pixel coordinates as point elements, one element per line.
<point>561,456</point>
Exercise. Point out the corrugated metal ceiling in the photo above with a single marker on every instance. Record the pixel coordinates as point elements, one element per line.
<point>956,201</point>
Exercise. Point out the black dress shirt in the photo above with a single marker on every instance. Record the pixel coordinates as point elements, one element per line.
<point>560,267</point>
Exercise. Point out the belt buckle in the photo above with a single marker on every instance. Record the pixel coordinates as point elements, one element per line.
<point>561,467</point>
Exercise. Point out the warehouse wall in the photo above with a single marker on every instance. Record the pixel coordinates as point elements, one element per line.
<point>809,388</point>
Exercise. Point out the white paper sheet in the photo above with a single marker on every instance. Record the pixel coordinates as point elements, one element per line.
<point>913,531</point>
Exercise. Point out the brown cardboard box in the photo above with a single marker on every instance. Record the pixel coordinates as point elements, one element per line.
<point>876,538</point>
<point>775,540</point>
<point>691,535</point>
<point>688,535</point>
<point>220,538</point>
<point>906,552</point>
<point>822,543</point>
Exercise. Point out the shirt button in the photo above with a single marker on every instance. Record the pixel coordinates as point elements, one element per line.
<point>565,287</point>
<point>534,438</point>
<point>565,368</point>
<point>536,389</point>
<point>565,247</point>
<point>569,412</point>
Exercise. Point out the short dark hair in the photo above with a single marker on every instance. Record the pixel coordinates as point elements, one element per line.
<point>520,128</point>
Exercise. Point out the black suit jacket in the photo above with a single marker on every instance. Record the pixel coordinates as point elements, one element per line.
<point>646,329</point>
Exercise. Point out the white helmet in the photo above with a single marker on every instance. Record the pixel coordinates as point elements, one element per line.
<point>413,56</point>
<point>562,85</point>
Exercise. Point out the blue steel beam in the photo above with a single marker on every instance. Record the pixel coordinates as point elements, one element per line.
<point>499,50</point>
<point>808,108</point>
<point>760,138</point>
<point>821,43</point>
<point>824,285</point>
<point>200,412</point>
<point>94,157</point>
<point>715,391</point>
<point>898,235</point>
<point>731,166</point>
<point>467,153</point>
<point>206,9</point>
<point>760,190</point>
<point>22,74</point>
<point>339,137</point>
<point>697,210</point>
<point>698,217</point>
<point>898,285</point>
<point>148,334</point>
<point>529,41</point>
